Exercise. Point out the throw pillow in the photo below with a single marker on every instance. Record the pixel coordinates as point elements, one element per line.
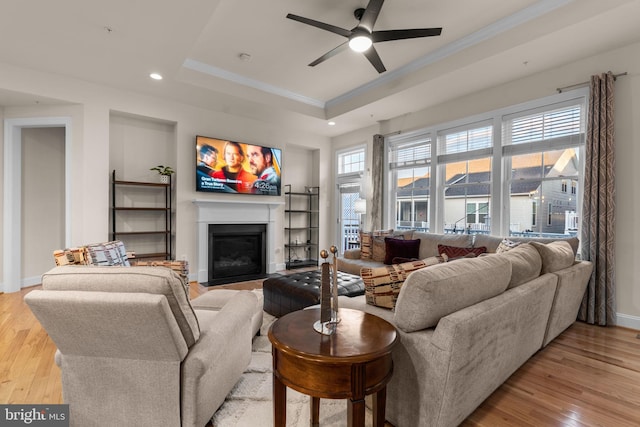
<point>71,256</point>
<point>457,252</point>
<point>108,254</point>
<point>555,256</point>
<point>378,249</point>
<point>506,245</point>
<point>400,248</point>
<point>366,242</point>
<point>382,284</point>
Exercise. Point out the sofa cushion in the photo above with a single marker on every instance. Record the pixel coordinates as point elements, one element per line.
<point>555,255</point>
<point>399,248</point>
<point>353,266</point>
<point>152,280</point>
<point>432,293</point>
<point>429,242</point>
<point>574,242</point>
<point>382,284</point>
<point>492,242</point>
<point>526,264</point>
<point>457,252</point>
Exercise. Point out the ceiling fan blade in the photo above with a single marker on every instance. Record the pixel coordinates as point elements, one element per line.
<point>384,36</point>
<point>321,25</point>
<point>370,15</point>
<point>329,54</point>
<point>374,58</point>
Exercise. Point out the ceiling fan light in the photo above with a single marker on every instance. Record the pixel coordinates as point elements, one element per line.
<point>360,43</point>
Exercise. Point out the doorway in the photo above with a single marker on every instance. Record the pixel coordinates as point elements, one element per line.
<point>13,224</point>
<point>349,219</point>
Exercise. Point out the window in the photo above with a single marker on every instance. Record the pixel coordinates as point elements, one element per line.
<point>543,148</point>
<point>351,162</point>
<point>465,168</point>
<point>477,213</point>
<point>499,169</point>
<point>410,171</point>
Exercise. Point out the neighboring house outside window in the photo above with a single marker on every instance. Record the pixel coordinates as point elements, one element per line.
<point>410,172</point>
<point>522,157</point>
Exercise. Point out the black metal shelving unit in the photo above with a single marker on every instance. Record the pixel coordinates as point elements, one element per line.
<point>302,226</point>
<point>165,210</point>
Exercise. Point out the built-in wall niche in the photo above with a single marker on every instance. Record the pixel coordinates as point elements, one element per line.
<point>302,166</point>
<point>136,144</point>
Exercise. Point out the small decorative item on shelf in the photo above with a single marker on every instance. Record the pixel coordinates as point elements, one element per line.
<point>164,171</point>
<point>328,295</point>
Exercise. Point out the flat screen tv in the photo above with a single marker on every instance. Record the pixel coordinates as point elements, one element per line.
<point>224,166</point>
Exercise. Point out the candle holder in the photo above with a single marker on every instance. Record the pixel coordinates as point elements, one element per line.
<point>328,295</point>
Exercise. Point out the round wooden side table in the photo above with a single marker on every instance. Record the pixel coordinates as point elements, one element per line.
<point>353,362</point>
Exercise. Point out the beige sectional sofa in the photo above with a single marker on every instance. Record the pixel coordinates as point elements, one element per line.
<point>351,261</point>
<point>465,326</point>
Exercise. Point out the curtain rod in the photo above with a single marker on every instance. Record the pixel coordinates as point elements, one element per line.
<point>577,85</point>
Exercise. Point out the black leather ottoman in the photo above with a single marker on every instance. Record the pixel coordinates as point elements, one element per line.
<point>286,293</point>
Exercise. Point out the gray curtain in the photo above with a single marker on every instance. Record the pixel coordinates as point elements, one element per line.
<point>377,181</point>
<point>598,306</point>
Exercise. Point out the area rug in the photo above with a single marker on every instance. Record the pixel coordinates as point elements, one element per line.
<point>250,402</point>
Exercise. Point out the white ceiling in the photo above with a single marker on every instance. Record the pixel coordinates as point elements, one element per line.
<point>196,46</point>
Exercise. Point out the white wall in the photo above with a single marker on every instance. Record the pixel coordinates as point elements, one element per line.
<point>627,128</point>
<point>43,202</point>
<point>90,108</point>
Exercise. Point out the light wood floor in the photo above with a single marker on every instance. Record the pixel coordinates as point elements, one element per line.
<point>588,376</point>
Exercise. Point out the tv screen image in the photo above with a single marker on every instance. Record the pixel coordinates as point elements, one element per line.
<point>224,166</point>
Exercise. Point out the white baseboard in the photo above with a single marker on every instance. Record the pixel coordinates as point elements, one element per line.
<point>628,321</point>
<point>30,281</point>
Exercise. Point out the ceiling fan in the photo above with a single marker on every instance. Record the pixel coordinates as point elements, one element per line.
<point>362,36</point>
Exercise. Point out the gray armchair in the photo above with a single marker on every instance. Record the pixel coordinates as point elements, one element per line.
<point>133,351</point>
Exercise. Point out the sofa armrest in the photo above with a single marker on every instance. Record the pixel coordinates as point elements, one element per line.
<point>572,284</point>
<point>230,326</point>
<point>352,253</point>
<point>216,361</point>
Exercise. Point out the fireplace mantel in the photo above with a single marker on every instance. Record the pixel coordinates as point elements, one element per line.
<point>223,211</point>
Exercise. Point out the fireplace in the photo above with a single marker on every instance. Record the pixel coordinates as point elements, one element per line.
<point>237,252</point>
<point>237,212</point>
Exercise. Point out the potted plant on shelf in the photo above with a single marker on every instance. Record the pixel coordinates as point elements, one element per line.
<point>164,171</point>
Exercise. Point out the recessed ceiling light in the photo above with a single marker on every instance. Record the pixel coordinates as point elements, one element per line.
<point>155,76</point>
<point>331,123</point>
<point>245,57</point>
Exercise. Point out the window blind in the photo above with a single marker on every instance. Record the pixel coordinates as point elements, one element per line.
<point>410,153</point>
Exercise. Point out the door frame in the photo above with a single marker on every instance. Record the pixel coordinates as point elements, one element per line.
<point>12,193</point>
